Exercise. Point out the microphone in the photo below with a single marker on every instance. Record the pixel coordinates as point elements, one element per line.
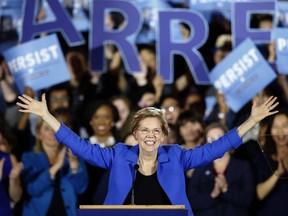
<point>136,167</point>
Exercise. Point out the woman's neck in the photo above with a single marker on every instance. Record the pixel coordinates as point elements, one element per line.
<point>51,153</point>
<point>102,138</point>
<point>147,163</point>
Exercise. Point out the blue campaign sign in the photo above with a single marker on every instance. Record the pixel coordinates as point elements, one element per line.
<point>241,18</point>
<point>209,6</point>
<point>281,11</point>
<point>241,75</point>
<point>150,10</point>
<point>10,23</point>
<point>281,43</point>
<point>78,12</point>
<point>38,64</point>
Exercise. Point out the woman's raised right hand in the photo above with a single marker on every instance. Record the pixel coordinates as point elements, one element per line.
<point>30,105</point>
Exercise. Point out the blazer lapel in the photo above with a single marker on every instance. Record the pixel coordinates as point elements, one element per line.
<point>132,157</point>
<point>162,156</point>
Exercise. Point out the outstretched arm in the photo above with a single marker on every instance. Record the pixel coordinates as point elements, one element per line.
<point>39,108</point>
<point>258,112</point>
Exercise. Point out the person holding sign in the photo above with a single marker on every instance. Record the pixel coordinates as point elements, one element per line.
<point>147,173</point>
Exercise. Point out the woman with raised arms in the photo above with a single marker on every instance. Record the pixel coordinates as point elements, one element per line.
<point>147,173</point>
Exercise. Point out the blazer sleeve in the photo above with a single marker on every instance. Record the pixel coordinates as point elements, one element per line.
<point>93,154</point>
<point>205,154</point>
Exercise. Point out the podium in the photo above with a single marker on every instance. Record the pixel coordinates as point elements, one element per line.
<point>132,210</point>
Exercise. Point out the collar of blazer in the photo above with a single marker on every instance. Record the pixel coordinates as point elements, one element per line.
<point>132,155</point>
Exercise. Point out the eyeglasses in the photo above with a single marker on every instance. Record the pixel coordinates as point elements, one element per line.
<point>146,131</point>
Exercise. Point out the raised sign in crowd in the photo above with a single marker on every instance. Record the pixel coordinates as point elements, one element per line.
<point>119,102</point>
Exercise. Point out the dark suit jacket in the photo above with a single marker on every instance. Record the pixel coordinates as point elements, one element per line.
<point>234,202</point>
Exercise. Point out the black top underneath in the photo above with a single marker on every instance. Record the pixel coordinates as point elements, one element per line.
<point>147,191</point>
<point>57,204</point>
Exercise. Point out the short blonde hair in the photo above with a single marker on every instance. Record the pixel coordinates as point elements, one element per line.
<point>39,144</point>
<point>148,112</point>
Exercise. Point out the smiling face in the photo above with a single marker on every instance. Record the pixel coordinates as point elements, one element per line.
<point>279,130</point>
<point>149,135</point>
<point>102,121</point>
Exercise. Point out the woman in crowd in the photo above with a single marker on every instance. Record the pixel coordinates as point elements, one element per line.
<point>102,117</point>
<point>10,184</point>
<point>171,107</point>
<point>223,187</point>
<point>272,168</point>
<point>52,176</point>
<point>9,181</point>
<point>189,132</point>
<point>158,171</point>
<point>189,128</point>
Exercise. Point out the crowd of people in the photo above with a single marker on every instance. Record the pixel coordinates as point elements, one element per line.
<point>67,153</point>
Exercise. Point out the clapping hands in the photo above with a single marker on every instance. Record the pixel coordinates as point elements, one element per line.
<point>282,159</point>
<point>220,186</point>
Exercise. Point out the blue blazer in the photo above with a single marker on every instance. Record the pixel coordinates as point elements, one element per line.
<point>40,187</point>
<point>172,162</point>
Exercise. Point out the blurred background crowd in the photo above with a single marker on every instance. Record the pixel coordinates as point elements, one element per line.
<point>38,176</point>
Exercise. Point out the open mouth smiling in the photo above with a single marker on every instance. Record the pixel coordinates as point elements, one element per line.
<point>149,142</point>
